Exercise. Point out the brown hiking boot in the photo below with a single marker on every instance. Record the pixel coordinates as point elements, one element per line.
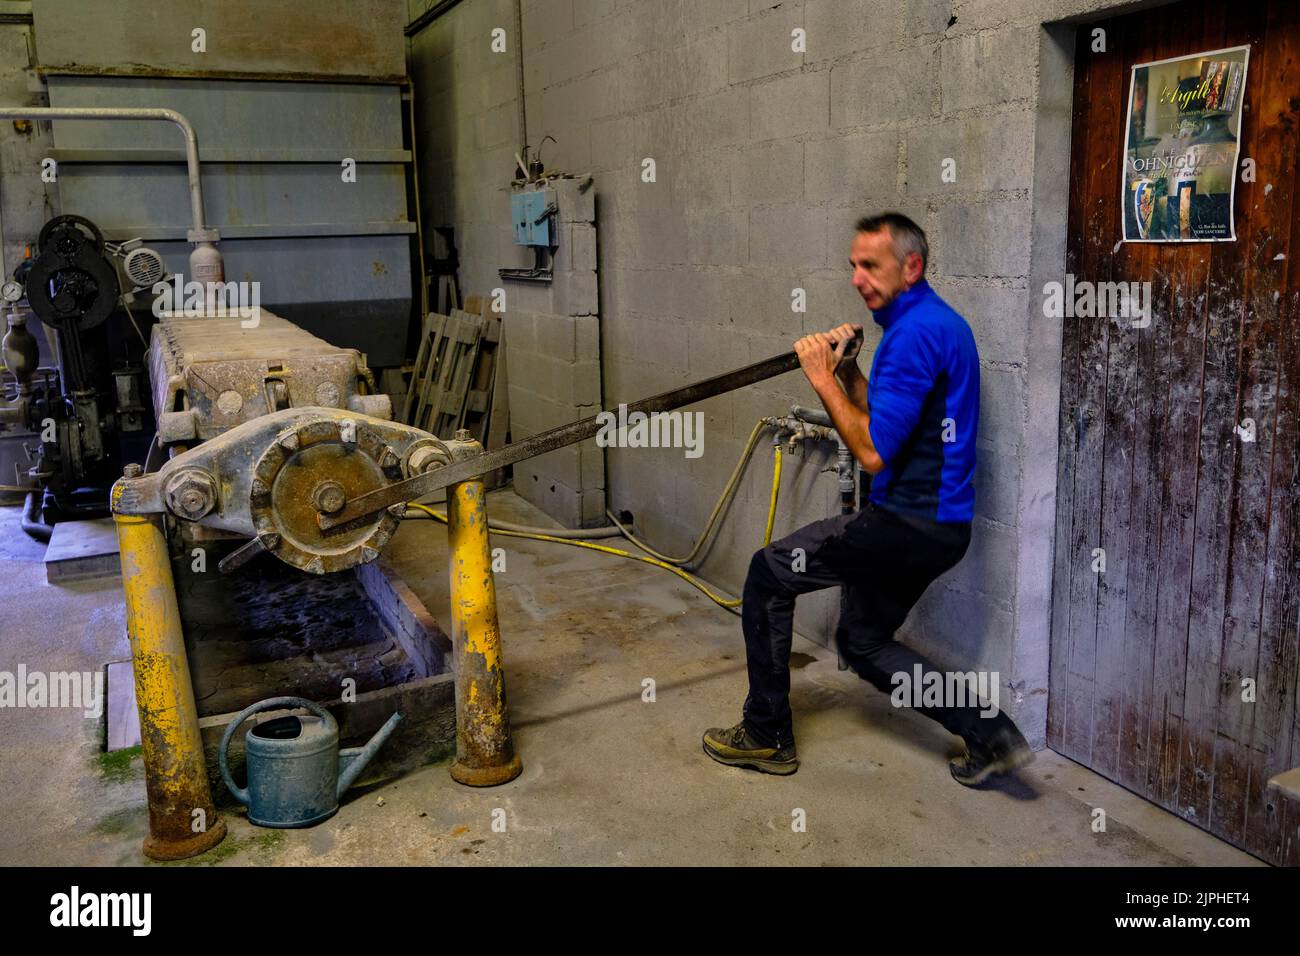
<point>1006,750</point>
<point>734,747</point>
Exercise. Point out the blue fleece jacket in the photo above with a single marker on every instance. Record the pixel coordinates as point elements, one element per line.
<point>924,394</point>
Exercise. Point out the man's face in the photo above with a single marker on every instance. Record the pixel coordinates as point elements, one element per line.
<point>877,274</point>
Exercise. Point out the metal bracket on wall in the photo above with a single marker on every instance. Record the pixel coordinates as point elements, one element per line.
<point>538,273</point>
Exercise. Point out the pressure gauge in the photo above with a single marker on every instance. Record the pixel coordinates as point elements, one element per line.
<point>11,291</point>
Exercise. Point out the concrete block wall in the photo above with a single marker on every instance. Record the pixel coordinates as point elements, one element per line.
<point>553,362</point>
<point>553,367</point>
<point>764,156</point>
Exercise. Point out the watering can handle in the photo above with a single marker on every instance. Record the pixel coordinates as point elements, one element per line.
<point>271,703</point>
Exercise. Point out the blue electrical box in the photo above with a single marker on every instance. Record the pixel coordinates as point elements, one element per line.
<point>532,224</point>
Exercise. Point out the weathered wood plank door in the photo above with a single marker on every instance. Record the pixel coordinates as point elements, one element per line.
<point>1198,527</point>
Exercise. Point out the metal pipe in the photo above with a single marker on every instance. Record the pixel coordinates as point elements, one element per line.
<point>519,84</point>
<point>814,415</point>
<point>112,112</point>
<point>183,820</point>
<point>428,16</point>
<point>485,753</point>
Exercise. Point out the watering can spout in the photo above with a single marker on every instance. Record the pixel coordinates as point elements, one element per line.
<point>353,760</point>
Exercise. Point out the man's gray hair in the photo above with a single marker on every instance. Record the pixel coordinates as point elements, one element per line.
<point>907,236</point>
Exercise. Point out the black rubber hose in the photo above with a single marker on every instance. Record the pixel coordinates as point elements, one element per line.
<point>31,521</point>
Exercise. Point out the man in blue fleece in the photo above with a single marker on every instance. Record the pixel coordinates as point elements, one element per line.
<point>912,426</point>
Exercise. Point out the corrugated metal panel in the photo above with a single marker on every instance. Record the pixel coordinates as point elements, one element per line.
<point>331,256</point>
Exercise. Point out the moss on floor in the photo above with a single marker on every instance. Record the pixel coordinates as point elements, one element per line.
<point>263,841</point>
<point>120,765</point>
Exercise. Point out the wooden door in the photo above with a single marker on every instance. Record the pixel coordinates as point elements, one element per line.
<point>1199,528</point>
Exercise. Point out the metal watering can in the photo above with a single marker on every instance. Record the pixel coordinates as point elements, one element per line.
<point>296,772</point>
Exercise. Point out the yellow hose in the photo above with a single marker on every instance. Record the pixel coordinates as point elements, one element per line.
<point>694,582</point>
<point>727,492</point>
<point>776,488</point>
<point>668,564</point>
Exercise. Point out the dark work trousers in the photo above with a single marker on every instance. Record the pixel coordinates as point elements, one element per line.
<point>886,561</point>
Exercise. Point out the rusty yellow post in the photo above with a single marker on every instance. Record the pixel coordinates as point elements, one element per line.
<point>182,819</point>
<point>485,753</point>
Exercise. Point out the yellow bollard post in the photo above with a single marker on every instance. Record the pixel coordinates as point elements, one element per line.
<point>183,821</point>
<point>485,753</point>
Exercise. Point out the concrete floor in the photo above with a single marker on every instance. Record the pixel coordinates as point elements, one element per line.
<point>608,778</point>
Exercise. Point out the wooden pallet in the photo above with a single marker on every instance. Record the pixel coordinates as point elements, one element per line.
<point>446,407</point>
<point>479,400</point>
<point>425,368</point>
<point>458,379</point>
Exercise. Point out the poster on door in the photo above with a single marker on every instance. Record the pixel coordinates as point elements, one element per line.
<point>1180,160</point>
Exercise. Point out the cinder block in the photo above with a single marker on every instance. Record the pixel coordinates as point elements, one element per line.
<point>592,508</point>
<point>575,204</point>
<point>789,106</point>
<point>839,27</point>
<point>586,11</point>
<point>713,350</point>
<point>703,17</point>
<point>526,296</point>
<point>768,174</point>
<point>586,335</point>
<point>999,317</point>
<point>926,16</point>
<point>536,373</point>
<point>679,70</point>
<point>791,237</point>
<point>751,404</point>
<point>499,84</point>
<point>960,629</point>
<point>761,45</point>
<point>613,144</point>
<point>988,153</point>
<point>895,86</point>
<point>575,293</point>
<point>997,484</point>
<point>653,240</point>
<point>551,496</point>
<point>593,464</point>
<point>520,330</point>
<point>990,239</point>
<point>577,101</point>
<point>701,296</point>
<point>555,413</point>
<point>832,300</point>
<point>988,68</point>
<point>562,465</point>
<point>718,119</point>
<point>717,238</point>
<point>563,260</point>
<point>581,385</point>
<point>702,181</point>
<point>989,566</point>
<point>851,167</point>
<point>582,239</point>
<point>1002,407</point>
<point>665,340</point>
<point>523,413</point>
<point>555,337</point>
<point>762,301</point>
<point>571,508</point>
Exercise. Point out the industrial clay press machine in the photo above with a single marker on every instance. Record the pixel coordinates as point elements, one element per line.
<point>278,442</point>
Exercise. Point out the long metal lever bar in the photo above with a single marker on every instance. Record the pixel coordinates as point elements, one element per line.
<point>442,477</point>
